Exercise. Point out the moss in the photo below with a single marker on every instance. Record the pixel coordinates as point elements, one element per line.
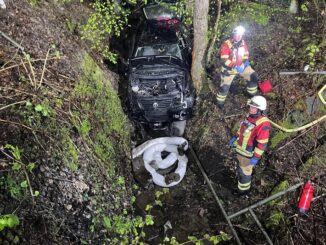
<point>300,105</point>
<point>280,187</point>
<point>280,136</point>
<point>100,118</point>
<point>275,219</point>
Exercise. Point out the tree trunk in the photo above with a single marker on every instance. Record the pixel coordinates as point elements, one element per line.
<point>200,21</point>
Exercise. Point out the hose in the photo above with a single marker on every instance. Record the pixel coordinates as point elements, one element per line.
<point>151,152</point>
<point>291,130</point>
<point>320,94</point>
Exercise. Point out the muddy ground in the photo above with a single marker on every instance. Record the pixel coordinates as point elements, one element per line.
<point>189,208</point>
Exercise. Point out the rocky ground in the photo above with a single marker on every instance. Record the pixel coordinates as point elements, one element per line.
<point>70,200</point>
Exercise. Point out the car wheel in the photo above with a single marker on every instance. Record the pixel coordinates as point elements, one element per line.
<point>178,128</point>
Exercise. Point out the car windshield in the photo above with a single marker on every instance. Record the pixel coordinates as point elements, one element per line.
<point>161,50</point>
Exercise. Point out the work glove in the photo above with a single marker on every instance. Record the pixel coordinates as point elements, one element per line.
<point>246,63</point>
<point>240,69</point>
<point>254,161</point>
<point>232,142</point>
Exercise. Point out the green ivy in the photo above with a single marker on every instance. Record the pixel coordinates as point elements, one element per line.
<point>108,20</point>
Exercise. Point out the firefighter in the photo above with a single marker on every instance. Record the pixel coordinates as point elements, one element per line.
<point>250,142</point>
<point>234,56</point>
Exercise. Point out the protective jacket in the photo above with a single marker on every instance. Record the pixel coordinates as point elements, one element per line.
<point>233,54</point>
<point>253,136</point>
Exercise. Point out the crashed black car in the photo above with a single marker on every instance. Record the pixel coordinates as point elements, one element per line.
<point>160,91</point>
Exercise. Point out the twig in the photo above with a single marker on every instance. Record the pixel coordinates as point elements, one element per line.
<point>30,78</point>
<point>19,124</point>
<point>21,63</point>
<point>11,58</point>
<point>66,180</point>
<point>28,58</point>
<point>43,71</point>
<point>293,139</point>
<point>29,185</point>
<point>243,228</point>
<point>6,106</point>
<point>66,77</point>
<point>234,115</point>
<point>20,91</point>
<point>316,198</point>
<point>13,42</point>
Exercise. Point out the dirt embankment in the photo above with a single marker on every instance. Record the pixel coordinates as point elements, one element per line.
<point>62,116</point>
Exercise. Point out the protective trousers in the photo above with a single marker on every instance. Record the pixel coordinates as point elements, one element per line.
<point>226,80</point>
<point>244,173</point>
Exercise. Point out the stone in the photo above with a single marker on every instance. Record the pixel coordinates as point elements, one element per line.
<point>140,173</point>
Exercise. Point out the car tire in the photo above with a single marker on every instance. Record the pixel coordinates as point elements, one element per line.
<point>178,128</point>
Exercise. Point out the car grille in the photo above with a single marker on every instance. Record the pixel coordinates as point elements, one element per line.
<point>159,103</point>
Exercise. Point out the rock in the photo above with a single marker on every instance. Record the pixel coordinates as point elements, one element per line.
<point>140,173</point>
<point>80,186</point>
<point>153,164</point>
<point>172,177</point>
<point>2,4</point>
<point>68,206</point>
<point>167,226</point>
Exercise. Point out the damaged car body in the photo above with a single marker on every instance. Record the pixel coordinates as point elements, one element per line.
<point>160,91</point>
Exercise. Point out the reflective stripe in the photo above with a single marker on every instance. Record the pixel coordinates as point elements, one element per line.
<point>228,62</point>
<point>258,151</point>
<point>225,56</point>
<point>228,42</point>
<point>246,136</point>
<point>243,152</point>
<point>252,89</point>
<point>220,97</point>
<point>244,187</point>
<point>262,141</point>
<point>261,120</point>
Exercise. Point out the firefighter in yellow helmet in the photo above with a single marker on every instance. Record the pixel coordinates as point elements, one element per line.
<point>250,142</point>
<point>234,56</point>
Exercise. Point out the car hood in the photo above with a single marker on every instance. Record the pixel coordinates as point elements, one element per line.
<point>155,61</point>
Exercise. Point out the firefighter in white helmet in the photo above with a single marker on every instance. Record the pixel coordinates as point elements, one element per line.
<point>250,142</point>
<point>234,55</point>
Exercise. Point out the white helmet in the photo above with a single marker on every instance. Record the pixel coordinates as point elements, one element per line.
<point>258,102</point>
<point>239,30</point>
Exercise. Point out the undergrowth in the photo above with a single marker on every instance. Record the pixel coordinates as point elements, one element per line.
<point>99,118</point>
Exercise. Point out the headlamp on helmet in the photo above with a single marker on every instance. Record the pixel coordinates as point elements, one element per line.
<point>237,33</point>
<point>239,30</point>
